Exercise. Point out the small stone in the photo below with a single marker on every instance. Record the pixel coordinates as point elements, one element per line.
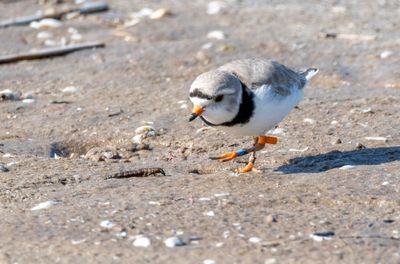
<point>44,35</point>
<point>122,234</point>
<point>270,261</point>
<point>337,141</point>
<point>216,34</point>
<point>50,43</point>
<point>221,194</point>
<point>309,121</point>
<point>174,242</point>
<point>76,37</point>
<point>107,224</point>
<point>254,240</point>
<point>388,221</point>
<point>215,7</point>
<point>377,139</point>
<point>28,101</point>
<point>321,236</point>
<point>46,23</point>
<point>270,219</point>
<point>385,54</point>
<point>70,89</point>
<point>144,129</point>
<point>44,205</point>
<point>277,131</point>
<point>360,146</point>
<point>160,13</point>
<point>209,261</point>
<point>347,167</point>
<point>3,168</point>
<point>209,213</point>
<point>144,12</point>
<point>141,241</point>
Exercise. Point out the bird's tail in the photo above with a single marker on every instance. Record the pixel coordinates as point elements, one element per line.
<point>308,74</point>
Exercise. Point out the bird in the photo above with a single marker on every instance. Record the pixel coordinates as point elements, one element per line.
<point>247,97</point>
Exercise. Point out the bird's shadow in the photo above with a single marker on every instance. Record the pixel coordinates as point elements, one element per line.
<point>336,159</point>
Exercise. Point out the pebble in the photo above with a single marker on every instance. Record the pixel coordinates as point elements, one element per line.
<point>44,35</point>
<point>77,241</point>
<point>270,261</point>
<point>221,194</point>
<point>337,141</point>
<point>184,106</point>
<point>144,129</point>
<point>50,42</point>
<point>309,121</point>
<point>107,224</point>
<point>299,150</point>
<point>122,234</point>
<point>277,131</point>
<point>216,34</point>
<point>209,261</point>
<point>254,240</point>
<point>334,122</point>
<point>70,89</point>
<point>3,168</point>
<point>141,241</point>
<point>385,183</point>
<point>138,139</point>
<point>321,236</point>
<point>28,101</point>
<point>207,45</point>
<point>46,23</point>
<point>7,94</point>
<point>160,13</point>
<point>270,219</point>
<point>44,205</point>
<point>347,167</point>
<point>76,37</point>
<point>209,213</point>
<point>215,7</point>
<point>385,54</point>
<point>360,146</point>
<point>174,242</point>
<point>144,12</point>
<point>377,139</point>
<point>204,199</point>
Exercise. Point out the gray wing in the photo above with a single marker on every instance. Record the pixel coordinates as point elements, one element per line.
<point>255,73</point>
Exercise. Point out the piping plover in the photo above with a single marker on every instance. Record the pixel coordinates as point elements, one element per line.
<point>247,98</point>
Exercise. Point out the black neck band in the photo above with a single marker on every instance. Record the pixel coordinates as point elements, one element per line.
<point>245,112</point>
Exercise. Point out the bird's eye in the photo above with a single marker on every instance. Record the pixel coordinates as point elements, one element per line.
<point>219,98</point>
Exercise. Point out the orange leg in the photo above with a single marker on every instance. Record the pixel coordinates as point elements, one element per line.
<point>259,143</point>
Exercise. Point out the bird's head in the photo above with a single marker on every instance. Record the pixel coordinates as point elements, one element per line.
<point>216,95</point>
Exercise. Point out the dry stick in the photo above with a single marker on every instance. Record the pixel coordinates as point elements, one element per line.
<point>46,53</point>
<point>144,172</point>
<point>86,8</point>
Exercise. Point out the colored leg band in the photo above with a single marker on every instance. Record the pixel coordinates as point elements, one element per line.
<point>241,152</point>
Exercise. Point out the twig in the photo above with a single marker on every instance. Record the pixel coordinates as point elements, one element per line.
<point>51,52</point>
<point>84,9</point>
<point>144,172</point>
<point>371,237</point>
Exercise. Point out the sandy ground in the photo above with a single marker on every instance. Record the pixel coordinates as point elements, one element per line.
<point>143,76</point>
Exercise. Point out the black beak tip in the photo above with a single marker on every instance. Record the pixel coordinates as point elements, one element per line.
<point>192,117</point>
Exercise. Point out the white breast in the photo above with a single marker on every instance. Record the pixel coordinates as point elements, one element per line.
<point>270,109</point>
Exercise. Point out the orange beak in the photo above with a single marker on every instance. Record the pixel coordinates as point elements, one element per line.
<point>197,111</point>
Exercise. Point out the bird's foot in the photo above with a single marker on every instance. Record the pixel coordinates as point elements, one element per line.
<point>226,157</point>
<point>249,167</point>
<point>230,155</point>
